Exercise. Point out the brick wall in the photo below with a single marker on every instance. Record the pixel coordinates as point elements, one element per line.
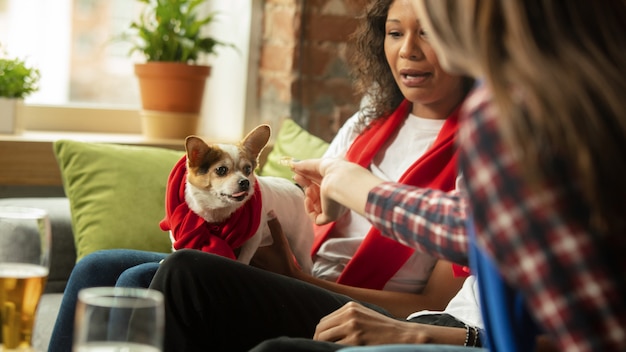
<point>303,73</point>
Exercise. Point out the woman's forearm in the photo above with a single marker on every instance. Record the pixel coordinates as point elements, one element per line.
<point>433,334</point>
<point>349,185</point>
<point>439,290</point>
<point>428,220</point>
<point>399,304</point>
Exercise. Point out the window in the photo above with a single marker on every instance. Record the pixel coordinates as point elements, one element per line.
<point>85,71</point>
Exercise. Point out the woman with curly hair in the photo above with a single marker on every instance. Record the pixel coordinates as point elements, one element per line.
<point>405,133</point>
<point>542,142</point>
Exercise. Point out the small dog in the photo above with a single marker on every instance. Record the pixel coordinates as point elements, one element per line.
<point>221,180</point>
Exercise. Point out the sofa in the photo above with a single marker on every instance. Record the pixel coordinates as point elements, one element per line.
<point>114,199</point>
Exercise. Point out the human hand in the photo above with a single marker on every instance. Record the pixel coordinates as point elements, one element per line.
<point>356,325</point>
<point>312,175</point>
<point>278,256</point>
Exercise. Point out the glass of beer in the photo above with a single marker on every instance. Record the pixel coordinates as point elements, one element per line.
<point>24,265</point>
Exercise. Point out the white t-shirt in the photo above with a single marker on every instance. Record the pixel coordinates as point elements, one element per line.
<point>415,136</point>
<point>464,305</point>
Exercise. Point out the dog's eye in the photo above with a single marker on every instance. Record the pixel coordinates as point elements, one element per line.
<point>247,170</point>
<point>221,171</point>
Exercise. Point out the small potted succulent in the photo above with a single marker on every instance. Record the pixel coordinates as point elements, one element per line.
<point>169,36</point>
<point>17,81</point>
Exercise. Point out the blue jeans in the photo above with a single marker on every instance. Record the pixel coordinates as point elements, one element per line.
<point>290,344</point>
<point>114,267</point>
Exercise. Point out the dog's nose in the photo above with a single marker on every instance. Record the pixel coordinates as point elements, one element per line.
<point>244,185</point>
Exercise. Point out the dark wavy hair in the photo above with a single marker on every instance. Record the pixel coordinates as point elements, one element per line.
<point>370,69</point>
<point>373,77</point>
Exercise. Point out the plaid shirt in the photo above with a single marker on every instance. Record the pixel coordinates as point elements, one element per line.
<point>572,277</point>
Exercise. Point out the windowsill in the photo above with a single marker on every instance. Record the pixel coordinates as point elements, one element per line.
<point>28,164</point>
<point>27,159</point>
<point>120,138</point>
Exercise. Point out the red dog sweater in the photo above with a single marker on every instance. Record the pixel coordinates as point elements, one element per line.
<point>191,231</point>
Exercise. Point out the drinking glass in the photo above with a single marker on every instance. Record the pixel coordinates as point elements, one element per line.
<point>119,319</point>
<point>24,265</point>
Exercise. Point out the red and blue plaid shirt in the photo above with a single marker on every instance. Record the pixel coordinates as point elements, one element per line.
<point>573,278</point>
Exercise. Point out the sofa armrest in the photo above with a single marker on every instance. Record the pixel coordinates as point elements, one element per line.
<point>63,251</point>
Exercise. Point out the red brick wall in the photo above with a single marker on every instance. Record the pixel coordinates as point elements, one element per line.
<point>303,72</point>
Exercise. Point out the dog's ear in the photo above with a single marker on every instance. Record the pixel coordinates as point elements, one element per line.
<point>196,150</point>
<point>256,140</point>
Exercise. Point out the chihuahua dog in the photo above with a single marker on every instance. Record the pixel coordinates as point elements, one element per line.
<point>220,180</point>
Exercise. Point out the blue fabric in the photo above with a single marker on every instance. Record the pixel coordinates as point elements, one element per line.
<point>115,267</point>
<point>508,325</point>
<point>138,276</point>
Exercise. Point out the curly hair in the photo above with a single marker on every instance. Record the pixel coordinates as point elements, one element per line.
<point>373,76</point>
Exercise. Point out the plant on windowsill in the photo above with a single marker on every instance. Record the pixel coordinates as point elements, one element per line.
<point>172,80</point>
<point>17,81</point>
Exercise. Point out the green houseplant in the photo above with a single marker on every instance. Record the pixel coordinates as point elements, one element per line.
<point>170,30</point>
<point>17,81</point>
<point>169,36</point>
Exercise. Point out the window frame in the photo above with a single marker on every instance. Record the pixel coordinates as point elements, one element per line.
<point>240,105</point>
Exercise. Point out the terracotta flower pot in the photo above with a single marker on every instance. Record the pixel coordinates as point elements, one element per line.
<point>169,89</point>
<point>169,125</point>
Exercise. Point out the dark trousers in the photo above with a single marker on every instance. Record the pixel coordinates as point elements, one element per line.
<point>216,304</point>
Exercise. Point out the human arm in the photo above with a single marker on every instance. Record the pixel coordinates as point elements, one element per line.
<point>354,324</point>
<point>333,183</point>
<point>428,220</point>
<point>540,239</point>
<point>440,288</point>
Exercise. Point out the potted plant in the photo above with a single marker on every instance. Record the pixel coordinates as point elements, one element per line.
<point>172,80</point>
<point>17,81</point>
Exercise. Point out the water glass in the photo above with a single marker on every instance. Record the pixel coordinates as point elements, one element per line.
<point>119,319</point>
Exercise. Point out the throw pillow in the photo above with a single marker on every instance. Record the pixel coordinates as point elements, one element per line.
<point>292,140</point>
<point>116,194</point>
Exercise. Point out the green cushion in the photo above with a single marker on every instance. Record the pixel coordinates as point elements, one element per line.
<point>294,141</point>
<point>116,194</point>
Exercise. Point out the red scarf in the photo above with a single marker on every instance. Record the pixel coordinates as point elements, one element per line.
<point>191,231</point>
<point>436,169</point>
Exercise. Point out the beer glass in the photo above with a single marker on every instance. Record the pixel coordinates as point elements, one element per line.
<point>24,264</point>
<point>119,319</point>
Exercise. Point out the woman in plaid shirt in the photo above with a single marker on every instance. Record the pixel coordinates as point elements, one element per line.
<point>542,151</point>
